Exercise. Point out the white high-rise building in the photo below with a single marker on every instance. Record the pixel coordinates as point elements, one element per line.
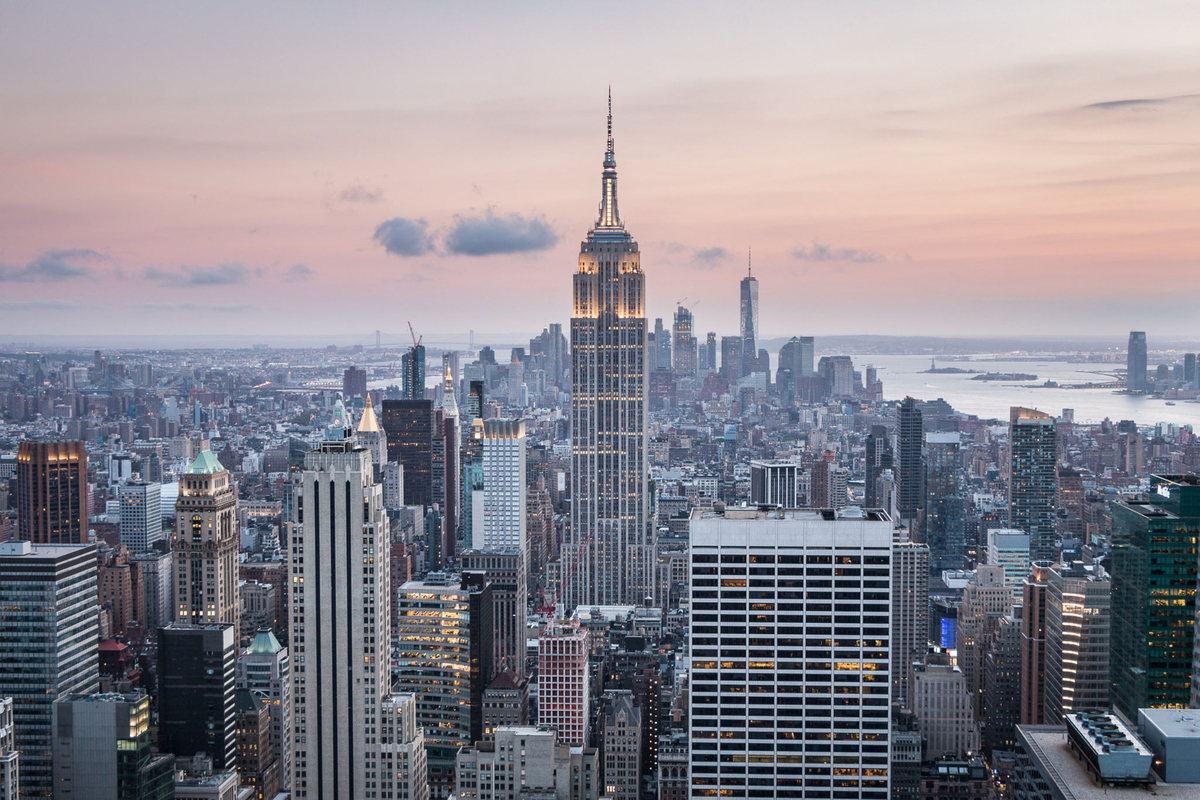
<point>1009,548</point>
<point>341,626</point>
<point>910,610</point>
<point>141,515</point>
<point>501,526</point>
<point>790,652</point>
<point>563,684</point>
<point>265,669</point>
<point>608,555</point>
<point>402,755</point>
<point>10,771</point>
<point>944,706</point>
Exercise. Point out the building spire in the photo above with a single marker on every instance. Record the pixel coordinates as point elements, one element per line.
<point>749,252</point>
<point>609,218</point>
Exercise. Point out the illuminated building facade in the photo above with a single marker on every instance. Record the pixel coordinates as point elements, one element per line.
<point>798,678</point>
<point>609,551</point>
<point>1078,627</point>
<point>563,685</point>
<point>206,544</point>
<point>1033,479</point>
<point>52,492</point>
<point>685,344</point>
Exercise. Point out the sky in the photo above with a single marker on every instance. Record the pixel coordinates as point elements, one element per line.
<point>941,168</point>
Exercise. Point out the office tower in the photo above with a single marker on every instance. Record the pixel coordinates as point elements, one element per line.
<point>986,595</point>
<point>409,428</point>
<point>772,671</point>
<point>52,492</point>
<point>482,648</point>
<point>509,584</point>
<point>370,434</point>
<point>1033,644</point>
<point>563,682</point>
<point>609,543</point>
<point>837,373</point>
<point>1078,604</point>
<point>402,758</point>
<point>433,629</point>
<point>748,322</point>
<point>354,383</point>
<point>10,757</point>
<point>685,344</point>
<point>117,595</point>
<point>264,668</point>
<point>1154,555</point>
<point>910,471</point>
<point>710,352</point>
<point>878,458</point>
<point>141,515</point>
<point>392,477</point>
<point>474,404</point>
<point>1001,685</point>
<point>731,358</point>
<point>1033,481</point>
<point>1070,501</point>
<point>944,706</point>
<point>945,501</point>
<point>449,493</point>
<point>499,520</point>
<point>206,544</point>
<point>257,765</point>
<point>50,633</point>
<point>662,347</point>
<point>1135,363</point>
<point>155,571</point>
<point>1009,548</point>
<point>527,762</point>
<point>910,610</point>
<point>792,357</point>
<point>197,674</point>
<point>341,553</point>
<point>412,363</point>
<point>505,702</point>
<point>1189,370</point>
<point>774,483</point>
<point>622,746</point>
<point>102,750</point>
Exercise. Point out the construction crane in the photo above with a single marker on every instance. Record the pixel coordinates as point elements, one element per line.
<point>547,608</point>
<point>413,334</point>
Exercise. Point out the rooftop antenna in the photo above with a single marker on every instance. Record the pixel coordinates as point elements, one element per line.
<point>748,254</point>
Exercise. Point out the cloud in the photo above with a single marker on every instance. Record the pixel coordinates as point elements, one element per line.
<point>192,277</point>
<point>404,237</point>
<point>297,272</point>
<point>492,234</point>
<point>51,266</point>
<point>1140,103</point>
<point>709,257</point>
<point>357,193</point>
<point>823,252</point>
<point>232,308</point>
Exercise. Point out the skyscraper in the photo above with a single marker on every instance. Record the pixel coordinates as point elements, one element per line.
<point>409,428</point>
<point>1078,626</point>
<point>1033,645</point>
<point>141,515</point>
<point>709,359</point>
<point>784,692</point>
<point>774,483</point>
<point>986,595</point>
<point>1154,596</point>
<point>354,383</point>
<point>878,458</point>
<point>341,623</point>
<point>910,467</point>
<point>264,668</point>
<point>52,492</point>
<point>1135,363</point>
<point>50,632</point>
<point>206,544</point>
<point>910,610</point>
<point>499,516</point>
<point>1033,479</point>
<point>609,551</point>
<point>564,683</point>
<point>685,344</point>
<point>197,680</point>
<point>413,365</point>
<point>661,357</point>
<point>731,358</point>
<point>748,321</point>
<point>945,501</point>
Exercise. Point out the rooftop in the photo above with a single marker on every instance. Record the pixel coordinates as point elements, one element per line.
<point>206,463</point>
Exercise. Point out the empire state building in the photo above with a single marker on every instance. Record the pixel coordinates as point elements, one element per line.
<point>608,556</point>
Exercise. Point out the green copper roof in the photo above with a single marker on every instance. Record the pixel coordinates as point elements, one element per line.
<point>205,464</point>
<point>264,643</point>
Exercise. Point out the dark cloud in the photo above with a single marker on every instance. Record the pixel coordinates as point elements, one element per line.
<point>709,257</point>
<point>1140,103</point>
<point>192,277</point>
<point>404,237</point>
<point>51,266</point>
<point>357,193</point>
<point>297,272</point>
<point>492,234</point>
<point>823,252</point>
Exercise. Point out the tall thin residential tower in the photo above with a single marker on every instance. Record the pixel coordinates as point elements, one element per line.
<point>608,557</point>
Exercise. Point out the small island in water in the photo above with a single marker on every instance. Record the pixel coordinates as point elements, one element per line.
<point>1004,376</point>
<point>934,369</point>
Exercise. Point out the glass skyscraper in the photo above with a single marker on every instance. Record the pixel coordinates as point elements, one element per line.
<point>1033,479</point>
<point>608,556</point>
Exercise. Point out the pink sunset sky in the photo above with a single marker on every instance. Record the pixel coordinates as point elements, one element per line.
<point>898,168</point>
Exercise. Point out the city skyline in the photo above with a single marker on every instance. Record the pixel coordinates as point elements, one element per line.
<point>146,182</point>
